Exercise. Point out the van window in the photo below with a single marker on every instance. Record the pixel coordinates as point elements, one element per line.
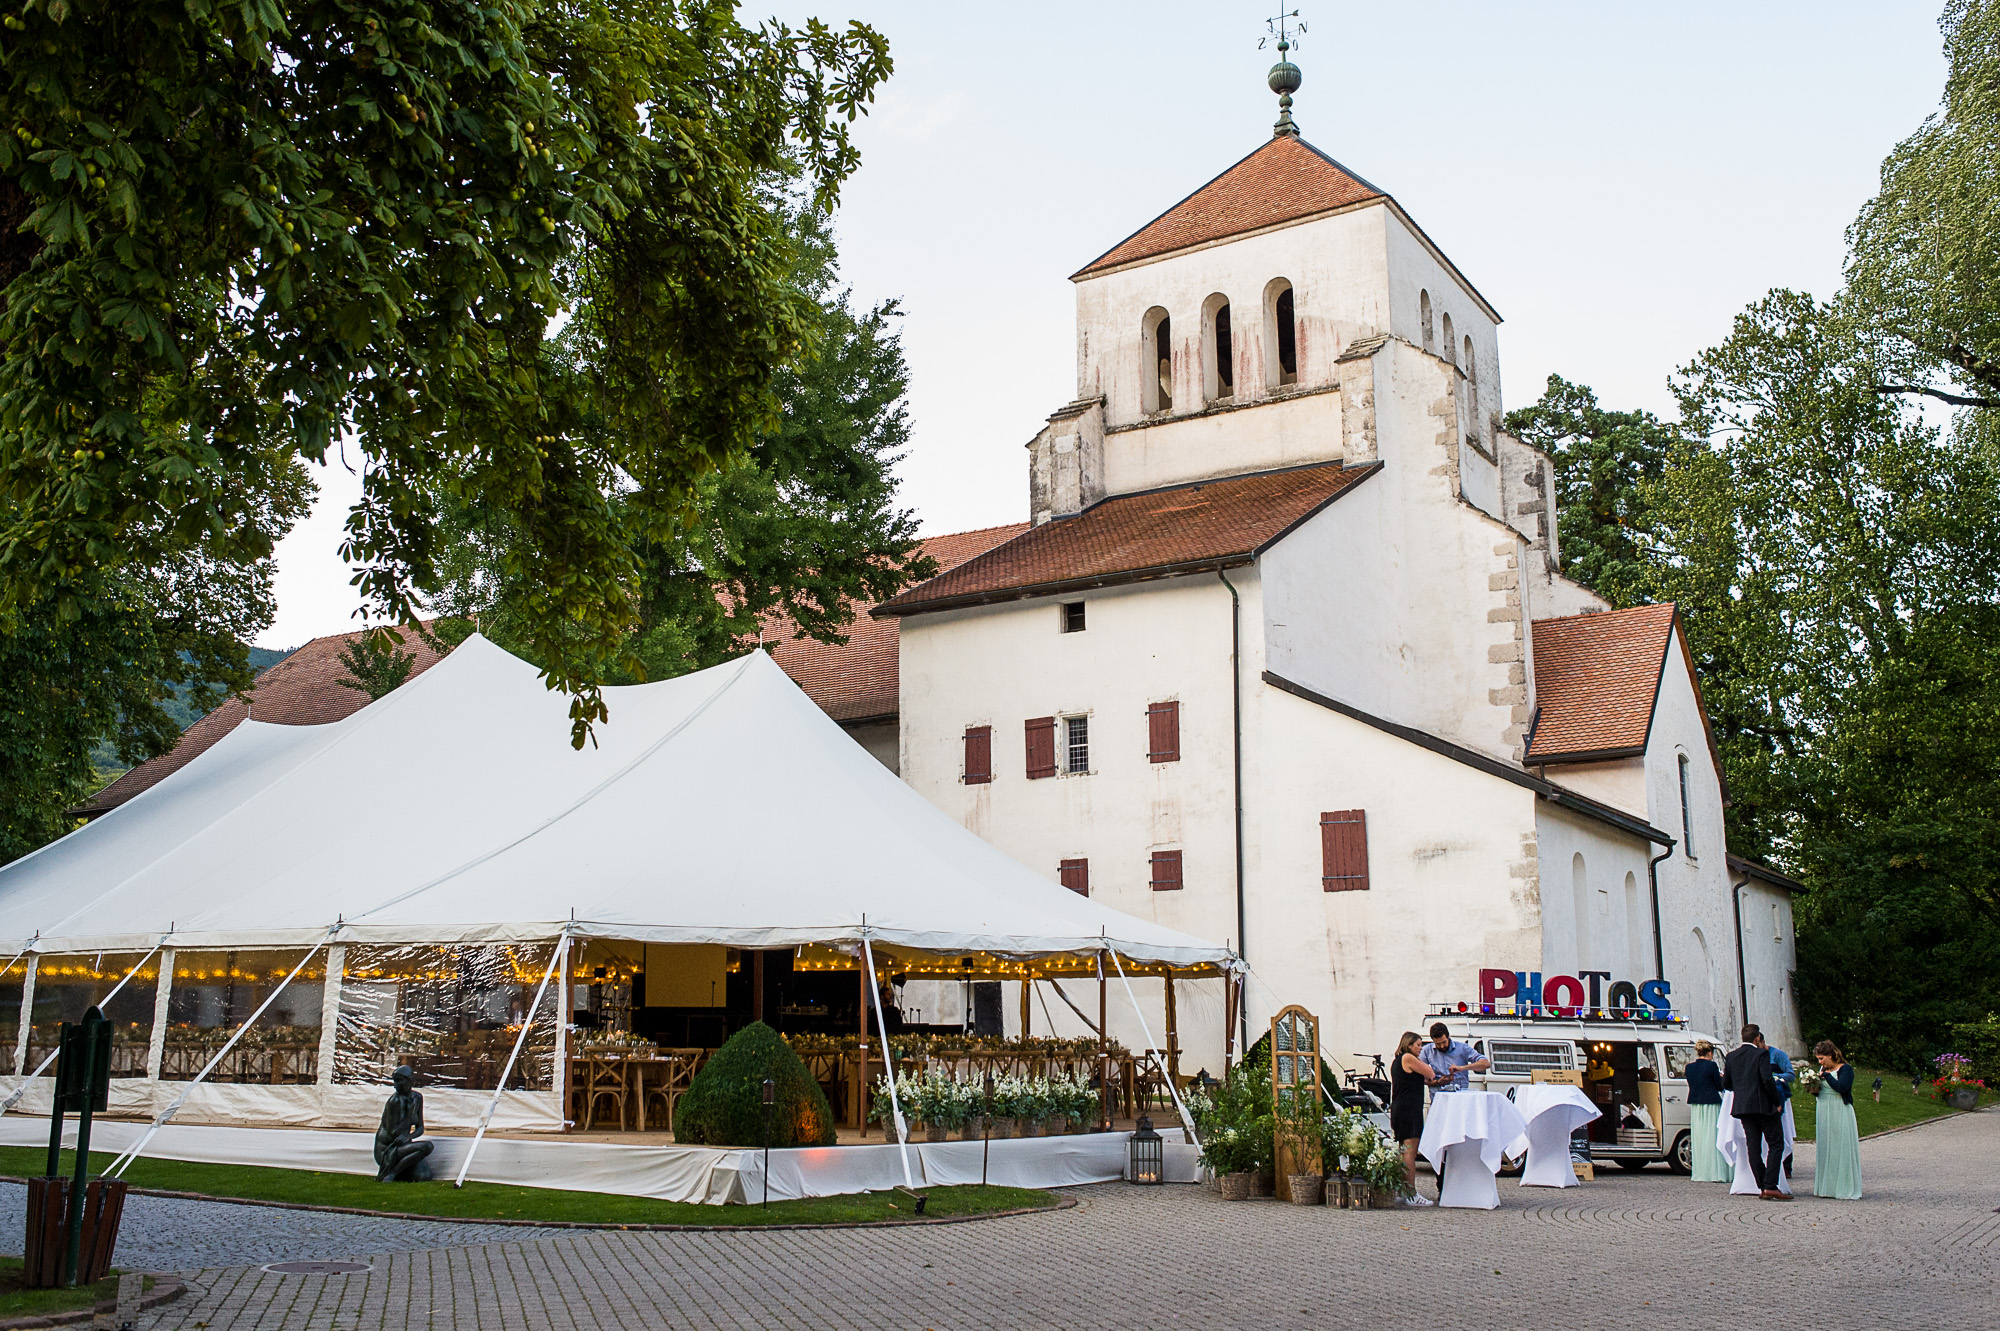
<point>1678,1058</point>
<point>1520,1058</point>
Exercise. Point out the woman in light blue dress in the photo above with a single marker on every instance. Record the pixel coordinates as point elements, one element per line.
<point>1836,1136</point>
<point>1704,1081</point>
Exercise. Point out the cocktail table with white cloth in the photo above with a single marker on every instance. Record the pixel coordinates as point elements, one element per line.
<point>1553,1112</point>
<point>1464,1137</point>
<point>1734,1143</point>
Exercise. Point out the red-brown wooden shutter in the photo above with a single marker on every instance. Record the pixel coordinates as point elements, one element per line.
<point>1075,876</point>
<point>1163,732</point>
<point>1041,747</point>
<point>1166,871</point>
<point>978,755</point>
<point>1343,850</point>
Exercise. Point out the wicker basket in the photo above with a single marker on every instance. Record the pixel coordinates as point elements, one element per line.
<point>1307,1189</point>
<point>1237,1187</point>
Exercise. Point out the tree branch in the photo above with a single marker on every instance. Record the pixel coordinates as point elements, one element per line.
<point>1955,399</point>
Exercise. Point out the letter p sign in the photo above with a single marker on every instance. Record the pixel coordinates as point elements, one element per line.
<point>1494,986</point>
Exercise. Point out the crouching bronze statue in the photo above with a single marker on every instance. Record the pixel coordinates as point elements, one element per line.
<point>399,1152</point>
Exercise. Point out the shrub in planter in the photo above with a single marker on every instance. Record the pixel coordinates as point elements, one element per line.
<point>724,1105</point>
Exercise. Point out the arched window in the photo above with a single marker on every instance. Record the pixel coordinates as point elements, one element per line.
<point>1450,347</point>
<point>1218,352</point>
<point>1467,362</point>
<point>1424,317</point>
<point>1579,891</point>
<point>1156,380</point>
<point>1281,340</point>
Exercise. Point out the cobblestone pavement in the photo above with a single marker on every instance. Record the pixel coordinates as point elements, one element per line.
<point>1642,1250</point>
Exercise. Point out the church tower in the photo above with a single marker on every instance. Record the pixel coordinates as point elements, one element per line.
<point>1232,333</point>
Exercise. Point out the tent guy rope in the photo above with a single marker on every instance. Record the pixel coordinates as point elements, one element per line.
<point>1187,1120</point>
<point>888,1061</point>
<point>555,963</point>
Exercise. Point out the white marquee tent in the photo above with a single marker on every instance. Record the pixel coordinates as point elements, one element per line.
<point>719,808</point>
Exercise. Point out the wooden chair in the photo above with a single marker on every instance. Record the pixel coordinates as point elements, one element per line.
<point>662,1082</point>
<point>602,1080</point>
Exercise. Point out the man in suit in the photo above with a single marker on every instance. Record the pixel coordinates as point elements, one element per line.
<point>1748,1073</point>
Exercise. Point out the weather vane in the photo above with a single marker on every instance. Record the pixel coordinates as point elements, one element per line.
<point>1285,77</point>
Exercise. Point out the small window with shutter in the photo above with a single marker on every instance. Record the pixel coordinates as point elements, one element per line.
<point>978,755</point>
<point>1343,851</point>
<point>1166,871</point>
<point>1075,875</point>
<point>1041,747</point>
<point>1163,732</point>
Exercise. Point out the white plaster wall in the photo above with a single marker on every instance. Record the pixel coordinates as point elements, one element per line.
<point>1338,269</point>
<point>1395,598</point>
<point>1769,956</point>
<point>1621,783</point>
<point>1694,889</point>
<point>1616,931</point>
<point>1413,270</point>
<point>880,738</point>
<point>1274,432</point>
<point>1452,886</point>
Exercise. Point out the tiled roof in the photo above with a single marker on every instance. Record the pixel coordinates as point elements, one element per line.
<point>859,678</point>
<point>1596,680</point>
<point>1208,524</point>
<point>301,690</point>
<point>1282,181</point>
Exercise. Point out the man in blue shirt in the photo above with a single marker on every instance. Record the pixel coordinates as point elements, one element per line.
<point>1782,1063</point>
<point>1452,1060</point>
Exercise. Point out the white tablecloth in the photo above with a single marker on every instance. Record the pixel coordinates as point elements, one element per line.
<point>1465,1134</point>
<point>1553,1113</point>
<point>1734,1143</point>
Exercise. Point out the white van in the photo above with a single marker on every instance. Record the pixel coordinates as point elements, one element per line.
<point>1636,1070</point>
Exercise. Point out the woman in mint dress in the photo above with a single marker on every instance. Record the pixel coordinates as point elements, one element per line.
<point>1704,1081</point>
<point>1836,1138</point>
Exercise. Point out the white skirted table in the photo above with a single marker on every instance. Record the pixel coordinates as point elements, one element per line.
<point>1734,1143</point>
<point>1553,1113</point>
<point>1465,1134</point>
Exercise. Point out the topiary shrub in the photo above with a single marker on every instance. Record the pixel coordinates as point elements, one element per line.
<point>724,1105</point>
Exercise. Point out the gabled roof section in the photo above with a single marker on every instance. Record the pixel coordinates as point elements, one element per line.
<point>859,679</point>
<point>1282,181</point>
<point>1597,680</point>
<point>1192,528</point>
<point>304,689</point>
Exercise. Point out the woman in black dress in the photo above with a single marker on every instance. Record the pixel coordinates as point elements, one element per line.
<point>1408,1075</point>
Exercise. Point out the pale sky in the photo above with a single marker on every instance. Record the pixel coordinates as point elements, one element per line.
<point>1618,179</point>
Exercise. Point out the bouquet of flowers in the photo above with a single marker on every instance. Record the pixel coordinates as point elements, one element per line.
<point>1811,1076</point>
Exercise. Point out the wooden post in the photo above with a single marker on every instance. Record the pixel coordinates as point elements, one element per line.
<point>757,985</point>
<point>1027,1013</point>
<point>1173,1033</point>
<point>1103,1049</point>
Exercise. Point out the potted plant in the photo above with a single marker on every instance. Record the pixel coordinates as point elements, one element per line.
<point>1955,1083</point>
<point>1298,1127</point>
<point>1231,1155</point>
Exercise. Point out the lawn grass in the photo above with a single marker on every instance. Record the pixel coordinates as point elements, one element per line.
<point>18,1300</point>
<point>499,1201</point>
<point>1899,1106</point>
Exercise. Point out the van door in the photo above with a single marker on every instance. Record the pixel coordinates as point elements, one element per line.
<point>1674,1059</point>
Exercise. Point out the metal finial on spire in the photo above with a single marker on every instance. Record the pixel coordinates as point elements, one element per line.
<point>1285,76</point>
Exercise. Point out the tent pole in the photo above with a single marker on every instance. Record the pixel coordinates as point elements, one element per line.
<point>123,1162</point>
<point>163,997</point>
<point>1187,1119</point>
<point>859,1101</point>
<point>889,1066</point>
<point>1103,1048</point>
<point>559,1071</point>
<point>27,1017</point>
<point>1228,1023</point>
<point>527,1024</point>
<point>329,1013</point>
<point>1173,1032</point>
<point>1027,993</point>
<point>22,1089</point>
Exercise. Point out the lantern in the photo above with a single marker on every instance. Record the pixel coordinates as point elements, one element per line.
<point>1148,1157</point>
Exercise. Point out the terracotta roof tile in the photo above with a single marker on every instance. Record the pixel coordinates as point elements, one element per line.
<point>301,690</point>
<point>859,678</point>
<point>1127,537</point>
<point>1596,680</point>
<point>1282,181</point>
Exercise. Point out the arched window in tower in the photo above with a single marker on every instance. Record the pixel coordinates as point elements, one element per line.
<point>1424,319</point>
<point>1467,362</point>
<point>1156,380</point>
<point>1450,347</point>
<point>1218,352</point>
<point>1281,341</point>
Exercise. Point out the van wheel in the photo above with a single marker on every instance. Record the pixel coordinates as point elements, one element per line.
<point>1632,1163</point>
<point>1681,1158</point>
